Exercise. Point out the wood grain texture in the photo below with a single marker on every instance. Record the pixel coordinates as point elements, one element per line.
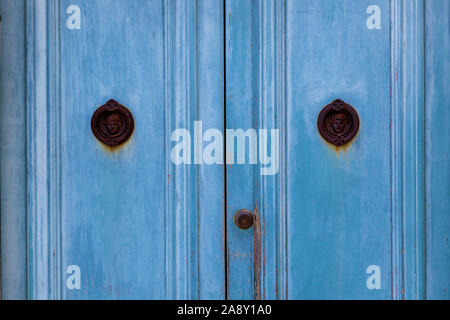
<point>338,201</point>
<point>240,178</point>
<point>140,227</point>
<point>437,106</point>
<point>126,216</point>
<point>13,150</point>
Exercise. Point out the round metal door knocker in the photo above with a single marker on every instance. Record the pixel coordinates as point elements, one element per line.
<point>243,219</point>
<point>338,122</point>
<point>112,123</point>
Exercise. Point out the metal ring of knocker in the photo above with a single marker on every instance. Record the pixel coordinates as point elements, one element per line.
<point>243,219</point>
<point>112,123</point>
<point>338,122</point>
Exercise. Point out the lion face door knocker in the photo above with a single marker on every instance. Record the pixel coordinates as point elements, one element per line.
<point>338,122</point>
<point>112,123</point>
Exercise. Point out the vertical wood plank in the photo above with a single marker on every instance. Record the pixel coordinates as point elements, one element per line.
<point>13,150</point>
<point>240,85</point>
<point>407,150</point>
<point>210,178</point>
<point>131,220</point>
<point>338,200</point>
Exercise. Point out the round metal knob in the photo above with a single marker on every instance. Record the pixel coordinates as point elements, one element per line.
<point>243,219</point>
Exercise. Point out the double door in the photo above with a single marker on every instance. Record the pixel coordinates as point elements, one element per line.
<point>228,150</point>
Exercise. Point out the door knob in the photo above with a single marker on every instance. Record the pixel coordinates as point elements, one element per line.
<point>243,219</point>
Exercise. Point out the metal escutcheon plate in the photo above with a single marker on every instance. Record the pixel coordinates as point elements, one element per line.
<point>243,219</point>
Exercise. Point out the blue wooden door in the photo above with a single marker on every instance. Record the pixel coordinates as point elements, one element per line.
<point>225,97</point>
<point>360,221</point>
<point>122,222</point>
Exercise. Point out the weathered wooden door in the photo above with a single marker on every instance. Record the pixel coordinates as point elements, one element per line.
<point>225,97</point>
<point>364,220</point>
<point>122,222</point>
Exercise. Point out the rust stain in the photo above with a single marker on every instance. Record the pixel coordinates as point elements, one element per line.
<point>257,254</point>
